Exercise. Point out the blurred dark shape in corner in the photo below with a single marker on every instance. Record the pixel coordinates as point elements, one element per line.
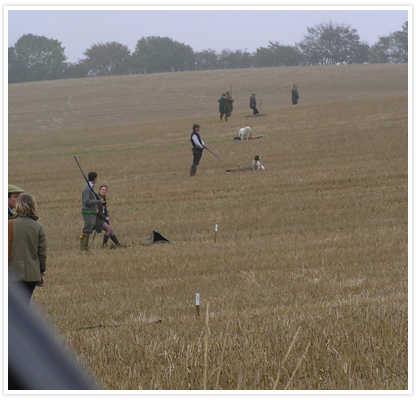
<point>37,360</point>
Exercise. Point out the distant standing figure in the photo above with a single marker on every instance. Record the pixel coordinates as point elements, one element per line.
<point>27,258</point>
<point>295,95</point>
<point>229,102</point>
<point>197,147</point>
<point>103,220</point>
<point>253,104</point>
<point>222,107</point>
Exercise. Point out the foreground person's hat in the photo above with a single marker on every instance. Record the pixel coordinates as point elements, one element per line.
<point>14,189</point>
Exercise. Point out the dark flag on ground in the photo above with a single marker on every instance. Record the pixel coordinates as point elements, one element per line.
<point>155,237</point>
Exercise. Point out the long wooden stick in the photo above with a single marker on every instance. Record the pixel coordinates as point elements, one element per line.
<point>223,346</point>
<point>284,360</point>
<point>206,349</point>
<point>297,366</point>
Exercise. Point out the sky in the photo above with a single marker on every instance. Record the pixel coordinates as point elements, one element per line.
<point>210,27</point>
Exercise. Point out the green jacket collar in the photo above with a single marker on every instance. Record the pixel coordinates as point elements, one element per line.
<point>34,217</point>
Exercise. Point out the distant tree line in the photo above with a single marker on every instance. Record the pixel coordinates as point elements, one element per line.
<point>37,58</point>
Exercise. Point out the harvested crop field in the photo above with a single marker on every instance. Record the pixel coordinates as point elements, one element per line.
<point>305,284</point>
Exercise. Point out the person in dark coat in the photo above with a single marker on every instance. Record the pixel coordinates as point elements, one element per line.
<point>229,102</point>
<point>103,220</point>
<point>222,107</point>
<point>197,148</point>
<point>295,95</point>
<point>253,104</point>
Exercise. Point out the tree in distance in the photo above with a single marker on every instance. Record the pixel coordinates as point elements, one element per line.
<point>104,59</point>
<point>162,54</point>
<point>392,48</point>
<point>277,55</point>
<point>36,58</point>
<point>328,44</point>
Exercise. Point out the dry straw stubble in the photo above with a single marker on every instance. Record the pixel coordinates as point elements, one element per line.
<point>317,241</point>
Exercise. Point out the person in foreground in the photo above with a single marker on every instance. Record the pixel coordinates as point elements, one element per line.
<point>197,148</point>
<point>27,246</point>
<point>103,220</point>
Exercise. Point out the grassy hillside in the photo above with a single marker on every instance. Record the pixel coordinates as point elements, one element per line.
<point>305,285</point>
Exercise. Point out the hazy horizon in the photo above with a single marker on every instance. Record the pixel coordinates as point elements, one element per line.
<point>217,29</point>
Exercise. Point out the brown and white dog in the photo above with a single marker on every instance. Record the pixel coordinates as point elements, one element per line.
<point>256,163</point>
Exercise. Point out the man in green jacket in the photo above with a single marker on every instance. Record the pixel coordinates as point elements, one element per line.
<point>90,201</point>
<point>222,107</point>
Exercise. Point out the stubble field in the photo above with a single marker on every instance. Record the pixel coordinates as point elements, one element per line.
<point>305,284</point>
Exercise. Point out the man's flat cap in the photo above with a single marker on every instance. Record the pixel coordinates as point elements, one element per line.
<point>15,189</point>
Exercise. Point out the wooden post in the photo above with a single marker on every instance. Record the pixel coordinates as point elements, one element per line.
<point>197,304</point>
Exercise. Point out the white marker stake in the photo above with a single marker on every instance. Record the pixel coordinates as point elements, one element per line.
<point>216,229</point>
<point>197,304</point>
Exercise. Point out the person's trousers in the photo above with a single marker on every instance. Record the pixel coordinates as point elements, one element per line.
<point>197,153</point>
<point>89,223</point>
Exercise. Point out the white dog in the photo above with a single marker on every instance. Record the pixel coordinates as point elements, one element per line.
<point>256,163</point>
<point>244,132</point>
